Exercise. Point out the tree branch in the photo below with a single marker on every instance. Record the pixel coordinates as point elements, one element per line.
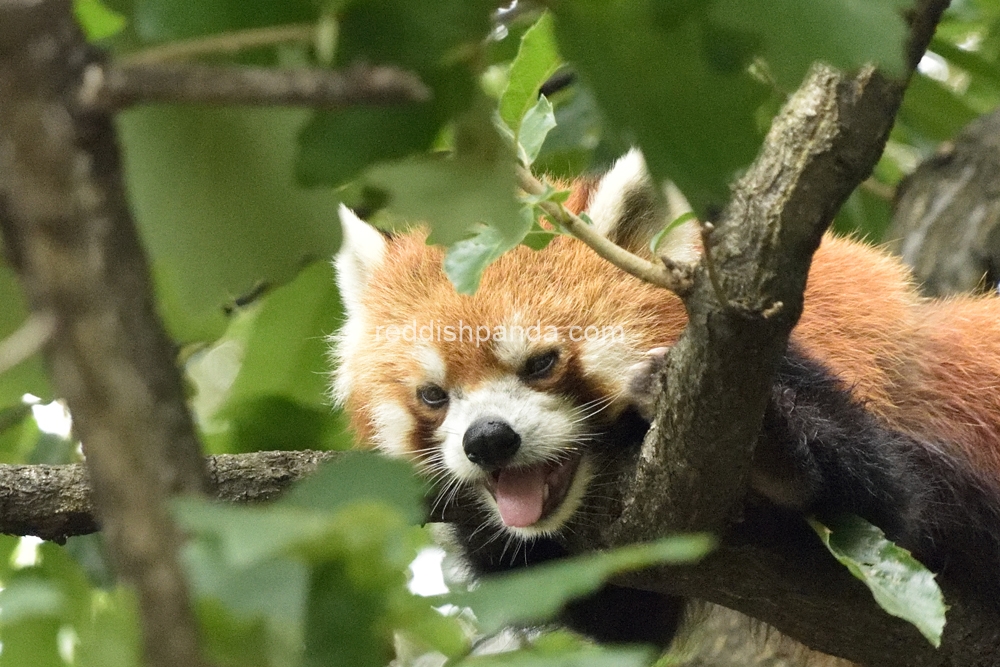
<point>55,501</point>
<point>946,222</point>
<point>668,275</point>
<point>692,471</point>
<point>68,232</point>
<point>111,87</point>
<point>226,43</point>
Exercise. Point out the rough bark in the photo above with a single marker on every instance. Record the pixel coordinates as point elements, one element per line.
<point>69,235</point>
<point>55,501</point>
<point>692,470</point>
<point>946,222</point>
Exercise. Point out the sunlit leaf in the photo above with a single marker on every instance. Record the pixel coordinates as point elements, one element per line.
<point>537,59</point>
<point>539,592</point>
<point>900,584</point>
<point>97,20</point>
<point>534,128</point>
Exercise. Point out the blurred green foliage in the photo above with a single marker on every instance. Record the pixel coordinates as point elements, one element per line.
<point>237,208</point>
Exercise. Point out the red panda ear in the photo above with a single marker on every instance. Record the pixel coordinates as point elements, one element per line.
<point>362,249</point>
<point>627,208</point>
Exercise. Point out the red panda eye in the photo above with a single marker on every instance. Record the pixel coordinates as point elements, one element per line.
<point>433,396</point>
<point>540,365</point>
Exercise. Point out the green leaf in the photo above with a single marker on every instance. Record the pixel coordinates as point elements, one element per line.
<point>537,593</point>
<point>97,21</point>
<point>211,193</point>
<point>274,589</point>
<point>657,85</point>
<point>538,238</point>
<point>437,41</point>
<point>361,476</point>
<point>933,110</point>
<point>452,195</point>
<point>286,346</point>
<point>537,59</point>
<point>169,20</point>
<point>231,641</point>
<point>30,597</point>
<point>34,641</point>
<point>570,147</point>
<point>111,637</point>
<point>900,584</point>
<point>249,535</point>
<point>790,35</point>
<point>264,384</point>
<point>972,62</point>
<point>534,128</point>
<point>466,260</point>
<point>336,146</point>
<point>674,77</point>
<point>344,622</point>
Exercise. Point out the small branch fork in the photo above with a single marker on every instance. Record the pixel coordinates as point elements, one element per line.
<point>669,275</point>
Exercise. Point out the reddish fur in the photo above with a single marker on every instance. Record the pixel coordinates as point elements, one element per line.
<point>931,368</point>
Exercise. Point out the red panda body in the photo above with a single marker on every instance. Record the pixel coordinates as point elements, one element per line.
<point>508,408</point>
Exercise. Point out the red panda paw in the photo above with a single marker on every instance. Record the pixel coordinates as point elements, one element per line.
<point>641,381</point>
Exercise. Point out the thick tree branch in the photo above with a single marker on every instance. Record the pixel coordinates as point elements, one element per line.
<point>692,471</point>
<point>70,237</point>
<point>946,224</point>
<point>61,207</point>
<point>55,501</point>
<point>111,87</point>
<point>666,274</point>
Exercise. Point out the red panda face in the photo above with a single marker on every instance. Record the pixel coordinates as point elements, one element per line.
<point>505,391</point>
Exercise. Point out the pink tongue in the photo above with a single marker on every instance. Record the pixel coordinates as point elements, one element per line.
<point>519,496</point>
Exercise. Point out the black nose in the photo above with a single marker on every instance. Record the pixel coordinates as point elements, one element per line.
<point>490,442</point>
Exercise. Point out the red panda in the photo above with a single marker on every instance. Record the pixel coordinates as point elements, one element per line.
<point>888,404</point>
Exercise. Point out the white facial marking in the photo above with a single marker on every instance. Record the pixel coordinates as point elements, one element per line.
<point>607,359</point>
<point>435,370</point>
<point>393,428</point>
<point>550,427</point>
<point>548,424</point>
<point>345,344</point>
<point>514,348</point>
<point>362,250</point>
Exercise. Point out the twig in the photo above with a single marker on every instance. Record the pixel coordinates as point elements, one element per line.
<point>110,87</point>
<point>30,338</point>
<point>224,43</point>
<point>713,275</point>
<point>623,259</point>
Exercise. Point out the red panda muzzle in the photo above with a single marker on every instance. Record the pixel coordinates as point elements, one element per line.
<point>525,495</point>
<point>490,442</point>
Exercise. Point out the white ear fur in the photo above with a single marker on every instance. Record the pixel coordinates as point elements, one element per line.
<point>362,249</point>
<point>627,209</point>
<point>625,178</point>
<point>682,243</point>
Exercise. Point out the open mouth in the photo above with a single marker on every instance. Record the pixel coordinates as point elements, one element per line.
<point>526,495</point>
